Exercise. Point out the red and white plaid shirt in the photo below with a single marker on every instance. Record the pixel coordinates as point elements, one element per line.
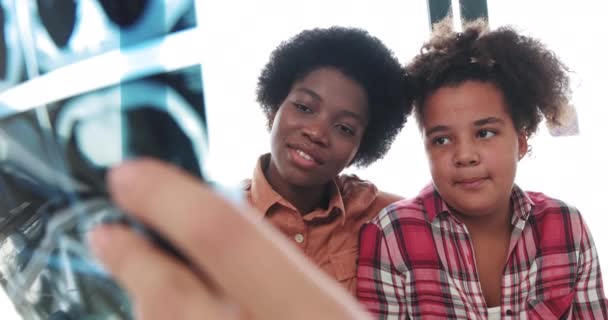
<point>415,262</point>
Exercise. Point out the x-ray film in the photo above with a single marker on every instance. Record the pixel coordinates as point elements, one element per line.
<point>54,157</point>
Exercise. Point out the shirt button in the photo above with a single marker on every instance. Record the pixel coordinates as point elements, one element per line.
<point>299,238</point>
<point>509,312</point>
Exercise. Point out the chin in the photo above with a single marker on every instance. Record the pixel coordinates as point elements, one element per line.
<point>302,181</point>
<point>477,210</point>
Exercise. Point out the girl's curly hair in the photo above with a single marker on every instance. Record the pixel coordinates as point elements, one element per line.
<point>533,80</point>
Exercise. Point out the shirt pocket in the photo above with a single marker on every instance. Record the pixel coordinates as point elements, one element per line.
<point>344,264</point>
<point>556,307</point>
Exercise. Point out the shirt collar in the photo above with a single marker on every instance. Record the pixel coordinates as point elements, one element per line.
<point>436,207</point>
<point>264,196</point>
<point>522,204</point>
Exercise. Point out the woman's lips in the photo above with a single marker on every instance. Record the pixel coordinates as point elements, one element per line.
<point>302,159</point>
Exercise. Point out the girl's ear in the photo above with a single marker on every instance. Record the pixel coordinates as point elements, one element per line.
<point>522,140</point>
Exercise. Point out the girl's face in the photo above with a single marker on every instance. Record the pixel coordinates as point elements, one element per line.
<point>472,147</point>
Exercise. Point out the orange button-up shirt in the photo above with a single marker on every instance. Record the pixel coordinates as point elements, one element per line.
<point>327,236</point>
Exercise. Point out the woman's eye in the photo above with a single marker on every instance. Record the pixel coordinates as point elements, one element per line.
<point>302,107</point>
<point>347,129</point>
<point>441,140</point>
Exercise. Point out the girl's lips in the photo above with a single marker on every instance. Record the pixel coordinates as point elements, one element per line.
<point>471,184</point>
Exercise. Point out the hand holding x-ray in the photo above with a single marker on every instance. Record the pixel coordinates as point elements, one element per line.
<point>240,268</point>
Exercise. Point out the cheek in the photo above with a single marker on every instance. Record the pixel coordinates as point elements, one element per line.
<point>440,166</point>
<point>280,125</point>
<point>503,159</point>
<point>274,134</point>
<point>277,137</point>
<point>348,151</point>
<point>282,117</point>
<point>507,165</point>
<point>437,162</point>
<point>438,174</point>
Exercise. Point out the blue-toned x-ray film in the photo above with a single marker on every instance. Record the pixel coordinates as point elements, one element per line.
<point>54,157</point>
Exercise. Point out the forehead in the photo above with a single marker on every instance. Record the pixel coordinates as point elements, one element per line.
<point>333,88</point>
<point>463,104</point>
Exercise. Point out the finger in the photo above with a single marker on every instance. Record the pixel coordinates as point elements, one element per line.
<point>160,287</point>
<point>251,262</point>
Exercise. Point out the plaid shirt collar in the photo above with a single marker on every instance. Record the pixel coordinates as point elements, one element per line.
<point>436,207</point>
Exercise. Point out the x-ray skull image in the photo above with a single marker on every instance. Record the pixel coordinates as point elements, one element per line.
<point>67,31</point>
<point>53,186</point>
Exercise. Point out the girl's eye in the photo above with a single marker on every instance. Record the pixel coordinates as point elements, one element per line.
<point>484,134</point>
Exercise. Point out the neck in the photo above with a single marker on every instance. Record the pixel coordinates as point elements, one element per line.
<point>305,199</point>
<point>496,222</point>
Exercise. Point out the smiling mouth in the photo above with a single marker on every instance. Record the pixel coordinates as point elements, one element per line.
<point>303,159</point>
<point>304,155</point>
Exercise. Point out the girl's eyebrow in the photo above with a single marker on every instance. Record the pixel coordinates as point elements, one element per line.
<point>435,129</point>
<point>488,120</point>
<point>477,123</point>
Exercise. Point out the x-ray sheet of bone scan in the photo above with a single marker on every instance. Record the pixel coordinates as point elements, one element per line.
<point>53,161</point>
